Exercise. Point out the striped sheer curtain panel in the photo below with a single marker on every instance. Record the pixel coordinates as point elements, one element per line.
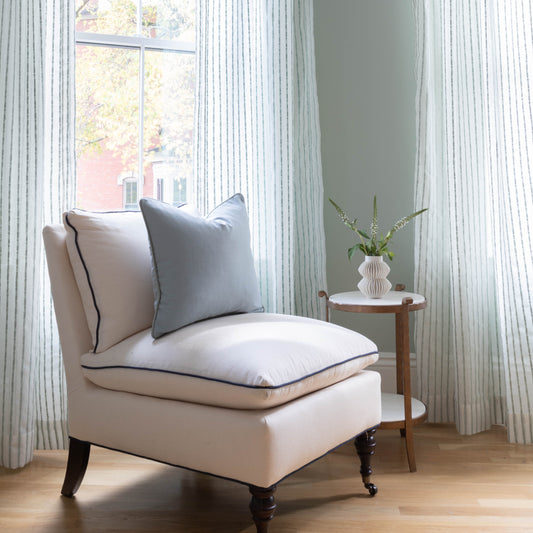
<point>37,183</point>
<point>257,132</point>
<point>473,255</point>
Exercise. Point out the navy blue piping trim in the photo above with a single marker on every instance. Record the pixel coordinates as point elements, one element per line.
<point>269,387</point>
<point>85,266</point>
<point>97,340</point>
<point>229,478</point>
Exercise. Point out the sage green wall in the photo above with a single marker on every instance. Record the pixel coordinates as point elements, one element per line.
<point>365,61</point>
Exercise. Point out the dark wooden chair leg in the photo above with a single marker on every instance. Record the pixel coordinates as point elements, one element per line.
<point>78,457</point>
<point>263,506</point>
<point>365,444</point>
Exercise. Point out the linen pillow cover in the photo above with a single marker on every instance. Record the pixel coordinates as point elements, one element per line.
<point>201,267</point>
<point>110,257</point>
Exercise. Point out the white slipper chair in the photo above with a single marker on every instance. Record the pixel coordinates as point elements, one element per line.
<point>250,397</point>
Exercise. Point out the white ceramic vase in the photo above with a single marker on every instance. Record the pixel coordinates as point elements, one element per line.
<point>374,271</point>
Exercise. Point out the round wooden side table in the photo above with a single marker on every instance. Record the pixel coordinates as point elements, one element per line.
<point>399,411</point>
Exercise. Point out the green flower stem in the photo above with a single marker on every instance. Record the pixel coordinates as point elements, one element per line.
<point>371,246</point>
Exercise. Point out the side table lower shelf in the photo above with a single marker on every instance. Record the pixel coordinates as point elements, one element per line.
<point>393,417</point>
<point>393,411</point>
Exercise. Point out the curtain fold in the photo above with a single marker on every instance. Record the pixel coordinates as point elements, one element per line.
<point>473,253</point>
<point>37,182</point>
<point>257,132</point>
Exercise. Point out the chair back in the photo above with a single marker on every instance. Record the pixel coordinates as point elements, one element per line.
<point>71,321</point>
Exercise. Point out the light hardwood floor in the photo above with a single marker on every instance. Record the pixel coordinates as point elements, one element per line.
<point>478,483</point>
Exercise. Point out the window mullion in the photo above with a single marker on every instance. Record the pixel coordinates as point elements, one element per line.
<point>139,18</point>
<point>124,41</point>
<point>140,162</point>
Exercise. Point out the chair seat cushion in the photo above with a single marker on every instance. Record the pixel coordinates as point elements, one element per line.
<point>246,361</point>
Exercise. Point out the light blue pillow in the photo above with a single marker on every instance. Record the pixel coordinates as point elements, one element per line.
<point>201,267</point>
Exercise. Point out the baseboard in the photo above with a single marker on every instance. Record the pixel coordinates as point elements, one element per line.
<point>386,366</point>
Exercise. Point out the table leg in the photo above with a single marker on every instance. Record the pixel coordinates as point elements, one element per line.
<point>400,335</point>
<point>404,377</point>
<point>400,339</point>
<point>410,447</point>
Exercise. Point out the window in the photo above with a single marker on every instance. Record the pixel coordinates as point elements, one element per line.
<point>129,191</point>
<point>134,101</point>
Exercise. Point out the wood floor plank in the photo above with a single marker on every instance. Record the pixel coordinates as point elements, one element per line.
<point>477,484</point>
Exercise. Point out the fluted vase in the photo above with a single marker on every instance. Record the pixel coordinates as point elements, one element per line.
<point>374,271</point>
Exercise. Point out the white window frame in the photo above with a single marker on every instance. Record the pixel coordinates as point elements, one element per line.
<point>124,180</point>
<point>142,44</point>
<point>126,183</point>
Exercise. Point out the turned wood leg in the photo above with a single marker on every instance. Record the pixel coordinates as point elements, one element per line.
<point>263,506</point>
<point>78,457</point>
<point>410,448</point>
<point>365,444</point>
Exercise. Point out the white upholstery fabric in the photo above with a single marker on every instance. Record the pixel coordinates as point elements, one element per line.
<point>71,320</point>
<point>246,361</point>
<point>257,447</point>
<point>110,256</point>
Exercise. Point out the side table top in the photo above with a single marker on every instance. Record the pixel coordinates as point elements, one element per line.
<point>355,301</point>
